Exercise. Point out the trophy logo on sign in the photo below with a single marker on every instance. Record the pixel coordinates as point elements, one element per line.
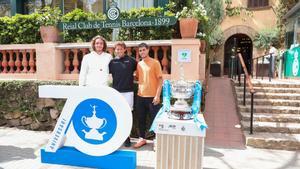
<point>181,90</point>
<point>95,124</point>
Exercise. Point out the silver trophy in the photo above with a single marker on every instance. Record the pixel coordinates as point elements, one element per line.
<point>181,90</point>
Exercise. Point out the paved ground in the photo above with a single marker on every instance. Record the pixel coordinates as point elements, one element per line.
<point>221,115</point>
<point>19,149</point>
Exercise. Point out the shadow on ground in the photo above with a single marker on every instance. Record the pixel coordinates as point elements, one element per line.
<point>15,153</point>
<point>293,162</point>
<point>211,152</point>
<point>141,167</point>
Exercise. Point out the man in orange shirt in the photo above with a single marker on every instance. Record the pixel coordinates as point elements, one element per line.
<point>149,75</point>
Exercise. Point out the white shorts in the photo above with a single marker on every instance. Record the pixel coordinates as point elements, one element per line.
<point>129,98</point>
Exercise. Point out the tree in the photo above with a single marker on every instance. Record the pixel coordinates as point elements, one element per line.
<point>265,37</point>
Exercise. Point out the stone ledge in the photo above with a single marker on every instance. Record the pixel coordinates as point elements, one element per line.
<point>278,141</point>
<point>271,102</point>
<point>271,109</point>
<point>267,117</point>
<point>272,127</point>
<point>261,95</point>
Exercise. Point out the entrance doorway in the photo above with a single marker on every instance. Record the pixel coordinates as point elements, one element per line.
<point>242,43</point>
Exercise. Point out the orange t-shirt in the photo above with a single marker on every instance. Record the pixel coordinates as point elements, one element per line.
<point>148,73</point>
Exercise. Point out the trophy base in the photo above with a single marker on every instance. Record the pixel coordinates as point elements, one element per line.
<point>180,114</point>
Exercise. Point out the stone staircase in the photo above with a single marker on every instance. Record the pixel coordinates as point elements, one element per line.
<point>276,114</point>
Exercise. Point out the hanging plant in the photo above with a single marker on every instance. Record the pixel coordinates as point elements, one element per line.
<point>237,10</point>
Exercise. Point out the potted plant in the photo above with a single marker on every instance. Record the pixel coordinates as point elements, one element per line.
<point>202,37</point>
<point>48,19</point>
<point>189,19</point>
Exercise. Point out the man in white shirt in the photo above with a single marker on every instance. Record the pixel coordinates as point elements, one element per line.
<point>273,52</point>
<point>94,66</point>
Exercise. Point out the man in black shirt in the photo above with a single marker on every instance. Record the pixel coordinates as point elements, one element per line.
<point>122,68</point>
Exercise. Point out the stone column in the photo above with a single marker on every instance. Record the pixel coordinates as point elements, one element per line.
<point>49,61</point>
<point>194,70</point>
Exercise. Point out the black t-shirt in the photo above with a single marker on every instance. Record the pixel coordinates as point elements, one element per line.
<point>122,73</point>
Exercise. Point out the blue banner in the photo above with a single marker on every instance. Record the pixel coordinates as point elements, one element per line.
<point>166,103</point>
<point>196,106</point>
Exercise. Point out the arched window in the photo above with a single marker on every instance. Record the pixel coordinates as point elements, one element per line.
<point>257,3</point>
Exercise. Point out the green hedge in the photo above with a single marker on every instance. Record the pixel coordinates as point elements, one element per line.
<point>19,29</point>
<point>84,35</point>
<point>24,29</point>
<point>145,33</point>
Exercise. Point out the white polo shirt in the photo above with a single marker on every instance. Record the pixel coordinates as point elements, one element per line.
<point>94,69</point>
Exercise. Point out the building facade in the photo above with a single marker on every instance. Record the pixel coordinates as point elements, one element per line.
<point>239,31</point>
<point>293,26</point>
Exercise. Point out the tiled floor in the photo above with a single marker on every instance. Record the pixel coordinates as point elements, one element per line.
<point>221,116</point>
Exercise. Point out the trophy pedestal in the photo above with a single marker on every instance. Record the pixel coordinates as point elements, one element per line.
<point>180,143</point>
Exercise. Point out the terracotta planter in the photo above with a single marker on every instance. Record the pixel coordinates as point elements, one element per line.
<point>188,27</point>
<point>49,34</point>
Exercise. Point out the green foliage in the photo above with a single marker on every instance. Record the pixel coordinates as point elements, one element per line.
<point>237,10</point>
<point>145,33</point>
<point>196,11</point>
<point>266,36</point>
<point>84,35</point>
<point>211,30</point>
<point>25,28</point>
<point>19,29</point>
<point>216,37</point>
<point>177,5</point>
<point>49,16</point>
<point>6,30</point>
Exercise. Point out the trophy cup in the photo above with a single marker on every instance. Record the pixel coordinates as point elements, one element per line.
<point>94,123</point>
<point>181,90</point>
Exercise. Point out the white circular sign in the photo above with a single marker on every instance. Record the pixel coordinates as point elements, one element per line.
<point>113,13</point>
<point>101,121</point>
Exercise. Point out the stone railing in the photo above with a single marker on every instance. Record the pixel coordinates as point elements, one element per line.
<point>62,61</point>
<point>73,53</point>
<point>18,60</point>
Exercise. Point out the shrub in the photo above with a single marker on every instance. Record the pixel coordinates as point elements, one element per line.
<point>49,16</point>
<point>87,34</point>
<point>145,33</point>
<point>19,29</point>
<point>266,36</point>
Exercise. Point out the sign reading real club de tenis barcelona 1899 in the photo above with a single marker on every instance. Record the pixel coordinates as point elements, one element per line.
<point>113,21</point>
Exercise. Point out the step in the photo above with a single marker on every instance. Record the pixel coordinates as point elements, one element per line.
<point>273,102</point>
<point>270,109</point>
<point>273,85</point>
<point>273,127</point>
<point>269,90</point>
<point>278,141</point>
<point>291,118</point>
<point>261,95</point>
